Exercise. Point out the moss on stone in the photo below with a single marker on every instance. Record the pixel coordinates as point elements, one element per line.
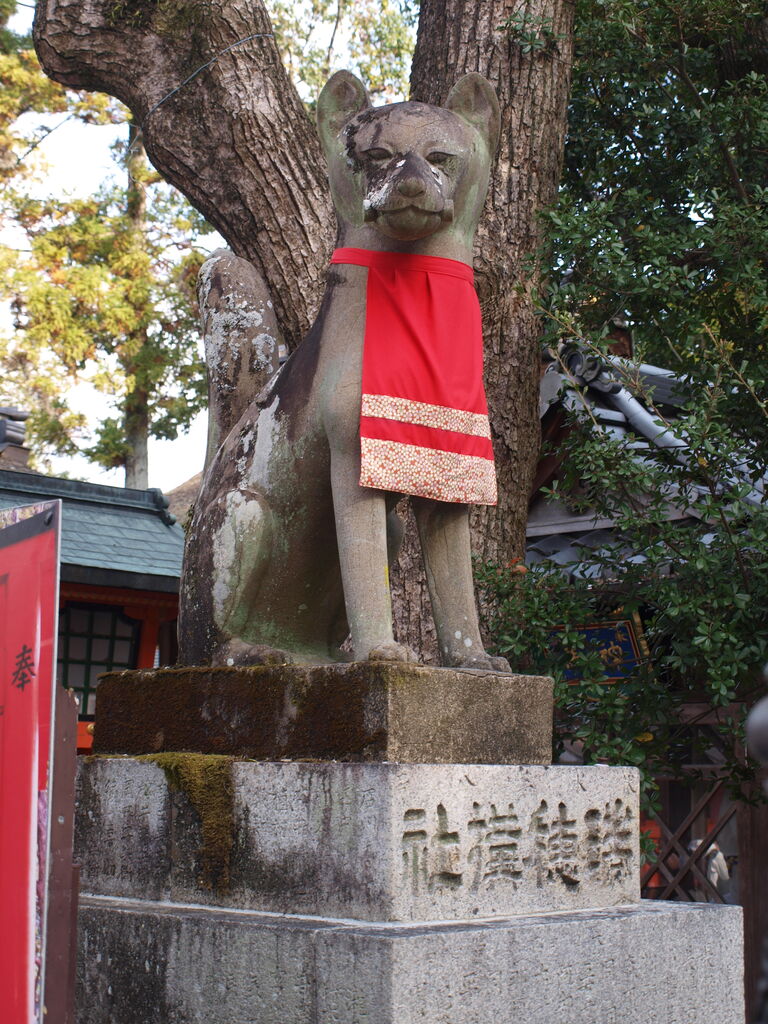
<point>343,712</point>
<point>165,16</point>
<point>206,780</point>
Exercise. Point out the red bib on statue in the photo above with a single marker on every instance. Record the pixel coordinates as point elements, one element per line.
<point>424,420</point>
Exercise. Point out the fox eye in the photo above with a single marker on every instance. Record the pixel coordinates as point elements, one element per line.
<point>377,154</point>
<point>437,158</point>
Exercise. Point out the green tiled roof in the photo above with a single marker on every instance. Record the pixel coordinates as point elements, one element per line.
<point>110,536</point>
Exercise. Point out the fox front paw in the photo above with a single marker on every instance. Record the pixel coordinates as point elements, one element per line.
<point>239,652</point>
<point>392,652</point>
<point>482,662</point>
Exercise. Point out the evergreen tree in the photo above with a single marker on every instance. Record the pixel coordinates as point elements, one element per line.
<point>101,289</point>
<point>662,217</point>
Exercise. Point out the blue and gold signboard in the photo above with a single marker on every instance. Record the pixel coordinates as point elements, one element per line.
<point>618,642</point>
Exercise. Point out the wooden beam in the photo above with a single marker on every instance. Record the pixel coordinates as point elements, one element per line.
<point>63,876</point>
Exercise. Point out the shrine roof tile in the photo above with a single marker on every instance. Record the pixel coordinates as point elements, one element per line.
<point>110,535</point>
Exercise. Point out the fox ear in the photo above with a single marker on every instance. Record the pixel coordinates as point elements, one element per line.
<point>342,97</point>
<point>474,100</point>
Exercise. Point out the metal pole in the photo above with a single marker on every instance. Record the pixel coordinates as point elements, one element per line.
<point>757,741</point>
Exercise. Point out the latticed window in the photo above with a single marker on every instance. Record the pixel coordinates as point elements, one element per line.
<point>94,639</point>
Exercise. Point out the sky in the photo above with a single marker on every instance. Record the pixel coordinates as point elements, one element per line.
<point>78,159</point>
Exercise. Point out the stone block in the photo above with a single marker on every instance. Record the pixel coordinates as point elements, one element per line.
<point>363,711</point>
<point>390,842</point>
<point>651,963</point>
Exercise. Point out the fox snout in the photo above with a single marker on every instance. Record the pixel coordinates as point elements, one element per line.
<point>407,182</point>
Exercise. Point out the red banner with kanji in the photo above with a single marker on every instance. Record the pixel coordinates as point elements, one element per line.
<point>29,568</point>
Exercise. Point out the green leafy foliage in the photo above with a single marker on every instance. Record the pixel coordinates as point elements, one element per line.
<point>661,227</point>
<point>24,89</point>
<point>534,35</point>
<point>663,213</point>
<point>9,40</point>
<point>690,558</point>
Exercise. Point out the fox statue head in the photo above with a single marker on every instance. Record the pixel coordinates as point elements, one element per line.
<point>407,171</point>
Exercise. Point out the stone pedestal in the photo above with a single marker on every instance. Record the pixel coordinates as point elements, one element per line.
<point>374,842</point>
<point>232,891</point>
<point>359,712</point>
<point>147,962</point>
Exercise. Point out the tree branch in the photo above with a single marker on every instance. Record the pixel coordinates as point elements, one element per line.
<point>221,121</point>
<point>681,69</point>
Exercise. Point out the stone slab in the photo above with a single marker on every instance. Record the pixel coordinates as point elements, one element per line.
<point>366,711</point>
<point>652,963</point>
<point>389,842</point>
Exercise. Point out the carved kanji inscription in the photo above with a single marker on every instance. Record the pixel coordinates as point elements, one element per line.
<point>498,845</point>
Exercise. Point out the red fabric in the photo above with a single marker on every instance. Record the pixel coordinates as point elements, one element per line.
<point>28,589</point>
<point>423,347</point>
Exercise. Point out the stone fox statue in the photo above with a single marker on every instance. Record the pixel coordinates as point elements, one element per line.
<point>293,532</point>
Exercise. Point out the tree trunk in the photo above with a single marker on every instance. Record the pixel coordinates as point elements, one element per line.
<point>136,403</point>
<point>456,37</point>
<point>234,137</point>
<point>136,423</point>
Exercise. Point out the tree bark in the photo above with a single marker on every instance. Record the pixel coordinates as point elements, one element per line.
<point>136,402</point>
<point>234,138</point>
<point>456,37</point>
<point>136,420</point>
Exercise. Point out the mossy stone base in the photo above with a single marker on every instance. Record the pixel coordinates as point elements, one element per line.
<point>358,712</point>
